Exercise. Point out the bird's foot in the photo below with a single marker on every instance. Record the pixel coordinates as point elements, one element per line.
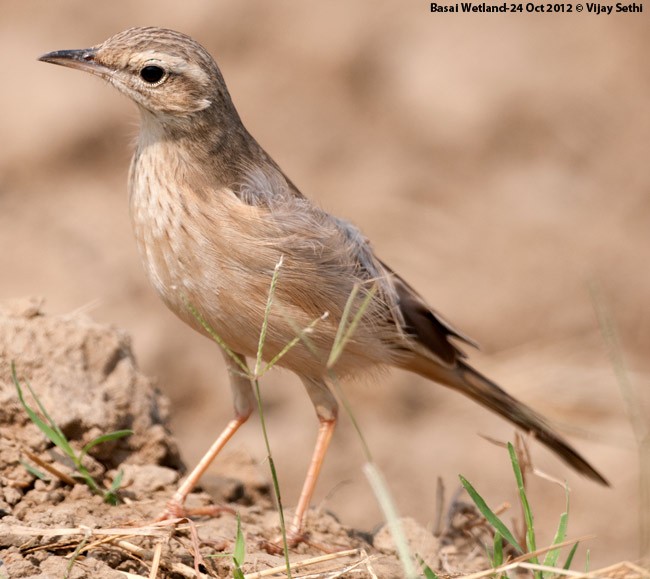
<point>177,510</point>
<point>295,537</point>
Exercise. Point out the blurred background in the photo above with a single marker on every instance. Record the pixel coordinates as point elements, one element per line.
<point>499,162</point>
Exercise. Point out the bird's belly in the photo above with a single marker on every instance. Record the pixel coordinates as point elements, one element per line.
<point>216,276</point>
<point>216,294</point>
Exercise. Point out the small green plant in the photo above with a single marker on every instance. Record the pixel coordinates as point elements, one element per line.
<point>51,430</point>
<point>501,531</point>
<point>239,552</point>
<point>426,570</point>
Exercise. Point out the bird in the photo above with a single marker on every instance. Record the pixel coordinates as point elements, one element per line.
<point>213,215</point>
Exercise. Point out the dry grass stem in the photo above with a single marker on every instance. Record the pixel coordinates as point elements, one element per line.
<point>439,507</point>
<point>145,554</point>
<point>622,570</point>
<point>117,536</point>
<point>514,563</point>
<point>149,531</point>
<point>637,406</point>
<point>155,561</point>
<point>303,564</point>
<point>196,545</point>
<point>50,468</point>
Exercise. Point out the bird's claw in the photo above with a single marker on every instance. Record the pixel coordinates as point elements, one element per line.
<point>177,510</point>
<point>294,538</point>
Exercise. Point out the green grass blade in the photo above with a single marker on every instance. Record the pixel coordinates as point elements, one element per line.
<point>528,515</point>
<point>104,438</point>
<point>239,553</point>
<point>489,514</point>
<point>75,556</point>
<point>497,553</point>
<point>342,324</point>
<point>87,478</point>
<point>569,559</point>
<point>216,337</point>
<point>53,434</point>
<point>34,471</point>
<point>258,395</point>
<point>273,361</point>
<point>426,570</point>
<point>117,481</point>
<point>44,412</point>
<point>299,337</point>
<point>267,313</point>
<point>274,478</point>
<point>338,347</point>
<point>110,496</point>
<point>552,556</point>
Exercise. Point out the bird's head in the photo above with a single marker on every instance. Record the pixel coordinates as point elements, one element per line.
<point>165,72</point>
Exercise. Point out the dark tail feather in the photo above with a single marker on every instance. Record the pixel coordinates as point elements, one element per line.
<point>482,390</point>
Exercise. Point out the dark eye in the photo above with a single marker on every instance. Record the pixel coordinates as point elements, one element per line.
<point>152,74</point>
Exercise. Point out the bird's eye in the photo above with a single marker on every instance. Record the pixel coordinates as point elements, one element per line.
<point>153,74</point>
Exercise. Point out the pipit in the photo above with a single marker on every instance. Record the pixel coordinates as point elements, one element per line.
<point>213,215</point>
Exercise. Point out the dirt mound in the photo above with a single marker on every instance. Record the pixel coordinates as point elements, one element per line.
<point>86,377</point>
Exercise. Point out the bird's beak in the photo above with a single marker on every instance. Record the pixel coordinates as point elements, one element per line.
<point>84,59</point>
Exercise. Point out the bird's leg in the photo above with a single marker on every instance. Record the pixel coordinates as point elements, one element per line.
<point>244,402</point>
<point>327,411</point>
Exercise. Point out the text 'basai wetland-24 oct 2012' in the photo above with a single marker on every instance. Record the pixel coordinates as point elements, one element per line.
<point>593,8</point>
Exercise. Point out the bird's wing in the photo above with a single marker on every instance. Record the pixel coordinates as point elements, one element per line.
<point>309,228</point>
<point>426,326</point>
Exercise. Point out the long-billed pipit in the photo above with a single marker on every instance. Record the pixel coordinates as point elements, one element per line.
<point>213,214</point>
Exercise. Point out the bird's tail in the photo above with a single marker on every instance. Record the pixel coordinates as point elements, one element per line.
<point>471,383</point>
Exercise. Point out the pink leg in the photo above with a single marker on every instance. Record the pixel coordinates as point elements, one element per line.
<point>327,411</point>
<point>244,402</point>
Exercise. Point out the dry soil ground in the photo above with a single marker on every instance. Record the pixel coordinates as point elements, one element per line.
<point>55,529</point>
<point>499,162</point>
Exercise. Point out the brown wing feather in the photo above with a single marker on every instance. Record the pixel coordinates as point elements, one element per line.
<point>427,326</point>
